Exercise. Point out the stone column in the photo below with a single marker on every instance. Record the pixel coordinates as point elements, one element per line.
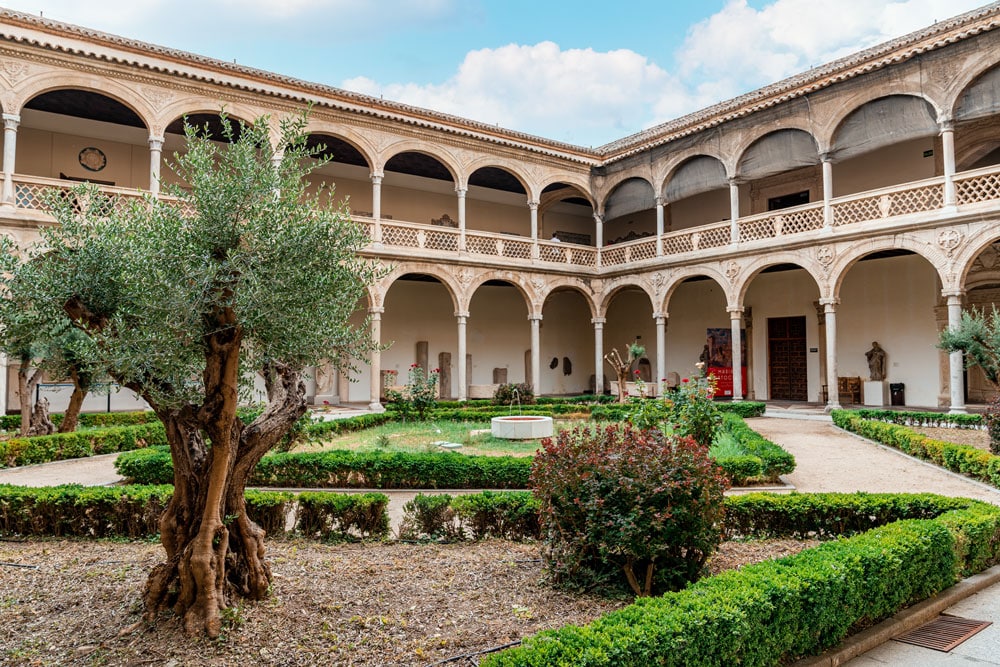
<point>599,235</point>
<point>10,123</point>
<point>660,203</point>
<point>948,156</point>
<point>956,366</point>
<point>598,323</point>
<point>536,353</point>
<point>533,207</point>
<point>832,388</point>
<point>827,191</point>
<point>734,211</point>
<point>463,380</point>
<point>461,216</point>
<point>377,207</point>
<point>375,316</point>
<point>736,326</point>
<point>155,157</point>
<point>661,348</point>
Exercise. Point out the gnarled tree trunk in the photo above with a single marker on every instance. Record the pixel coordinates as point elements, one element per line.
<point>72,416</point>
<point>26,384</point>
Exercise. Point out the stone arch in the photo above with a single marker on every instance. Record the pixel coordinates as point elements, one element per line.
<point>631,187</point>
<point>547,199</point>
<point>798,147</point>
<point>190,106</point>
<point>683,273</point>
<point>582,186</point>
<point>517,280</point>
<point>430,150</point>
<point>615,286</point>
<point>568,284</point>
<point>758,264</point>
<point>696,161</point>
<point>666,169</point>
<point>510,166</point>
<point>848,108</point>
<point>110,88</point>
<point>967,78</point>
<point>753,134</point>
<point>971,250</point>
<point>853,253</point>
<point>356,140</point>
<point>432,270</point>
<point>613,182</point>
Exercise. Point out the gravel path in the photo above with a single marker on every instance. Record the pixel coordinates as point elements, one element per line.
<point>829,459</point>
<point>90,471</point>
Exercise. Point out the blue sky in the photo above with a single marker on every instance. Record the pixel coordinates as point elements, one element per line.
<point>584,72</point>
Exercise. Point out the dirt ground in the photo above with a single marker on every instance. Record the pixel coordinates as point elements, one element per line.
<point>963,436</point>
<point>78,603</point>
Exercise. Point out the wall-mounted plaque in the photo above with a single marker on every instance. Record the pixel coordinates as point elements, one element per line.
<point>93,159</point>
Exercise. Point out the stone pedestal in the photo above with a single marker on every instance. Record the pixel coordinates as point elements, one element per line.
<point>876,393</point>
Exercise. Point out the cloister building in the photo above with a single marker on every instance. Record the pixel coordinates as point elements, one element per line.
<point>855,202</point>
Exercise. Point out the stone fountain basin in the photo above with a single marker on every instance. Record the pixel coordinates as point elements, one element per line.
<point>521,427</point>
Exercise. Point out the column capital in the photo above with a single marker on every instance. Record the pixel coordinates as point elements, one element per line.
<point>376,310</point>
<point>733,182</point>
<point>11,121</point>
<point>953,293</point>
<point>462,313</point>
<point>155,142</point>
<point>534,317</point>
<point>826,156</point>
<point>598,321</point>
<point>661,201</point>
<point>599,218</point>
<point>461,190</point>
<point>946,125</point>
<point>660,316</point>
<point>533,204</point>
<point>376,177</point>
<point>735,312</point>
<point>829,301</point>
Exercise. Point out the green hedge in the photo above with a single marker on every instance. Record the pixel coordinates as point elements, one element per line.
<point>964,459</point>
<point>776,611</point>
<point>909,418</point>
<point>347,469</point>
<point>508,515</point>
<point>134,512</point>
<point>618,411</point>
<point>763,460</point>
<point>89,419</point>
<point>43,448</point>
<point>322,429</point>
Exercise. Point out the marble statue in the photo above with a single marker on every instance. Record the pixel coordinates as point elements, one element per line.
<point>876,362</point>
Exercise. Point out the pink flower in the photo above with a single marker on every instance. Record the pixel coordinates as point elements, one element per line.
<point>684,380</point>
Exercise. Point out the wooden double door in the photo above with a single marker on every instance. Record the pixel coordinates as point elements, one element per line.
<point>786,359</point>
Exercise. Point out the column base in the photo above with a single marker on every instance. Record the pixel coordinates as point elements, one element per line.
<point>957,410</point>
<point>830,407</point>
<point>376,407</point>
<point>326,399</point>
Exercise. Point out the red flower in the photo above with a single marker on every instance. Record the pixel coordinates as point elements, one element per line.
<point>684,380</point>
<point>414,365</point>
<point>637,372</point>
<point>436,370</point>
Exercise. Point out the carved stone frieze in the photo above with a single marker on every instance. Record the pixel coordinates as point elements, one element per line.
<point>825,255</point>
<point>158,97</point>
<point>732,269</point>
<point>14,70</point>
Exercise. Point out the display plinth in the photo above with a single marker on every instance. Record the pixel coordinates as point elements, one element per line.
<point>876,393</point>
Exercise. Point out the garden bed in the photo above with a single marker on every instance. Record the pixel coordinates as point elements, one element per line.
<point>366,605</point>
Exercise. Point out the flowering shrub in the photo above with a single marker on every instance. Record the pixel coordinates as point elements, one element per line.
<point>692,409</point>
<point>620,505</point>
<point>418,396</point>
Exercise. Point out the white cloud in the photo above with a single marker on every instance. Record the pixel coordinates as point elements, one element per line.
<point>571,94</point>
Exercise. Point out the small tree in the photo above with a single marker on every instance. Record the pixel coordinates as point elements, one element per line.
<point>187,299</point>
<point>621,367</point>
<point>43,341</point>
<point>978,339</point>
<point>418,396</point>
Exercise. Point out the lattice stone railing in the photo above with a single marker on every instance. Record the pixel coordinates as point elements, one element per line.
<point>977,186</point>
<point>567,253</point>
<point>888,202</point>
<point>425,237</point>
<point>497,245</point>
<point>781,223</point>
<point>626,253</point>
<point>31,192</point>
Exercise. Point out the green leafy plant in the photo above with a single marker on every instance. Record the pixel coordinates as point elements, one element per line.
<point>510,394</point>
<point>418,396</point>
<point>620,505</point>
<point>692,409</point>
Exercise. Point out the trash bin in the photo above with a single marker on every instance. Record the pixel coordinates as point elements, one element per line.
<point>896,389</point>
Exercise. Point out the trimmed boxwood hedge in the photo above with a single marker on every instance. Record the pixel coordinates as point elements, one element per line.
<point>618,411</point>
<point>964,459</point>
<point>764,461</point>
<point>912,418</point>
<point>134,512</point>
<point>44,448</point>
<point>776,611</point>
<point>90,419</point>
<point>358,470</point>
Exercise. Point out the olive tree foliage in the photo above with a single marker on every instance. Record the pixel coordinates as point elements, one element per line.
<point>977,337</point>
<point>42,340</point>
<point>244,272</point>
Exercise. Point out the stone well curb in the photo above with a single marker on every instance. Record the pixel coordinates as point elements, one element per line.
<point>906,620</point>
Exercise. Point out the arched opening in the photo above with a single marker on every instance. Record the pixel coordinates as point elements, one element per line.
<point>205,122</point>
<point>498,338</point>
<point>977,133</point>
<point>785,336</point>
<point>629,318</point>
<point>630,211</point>
<point>418,324</point>
<point>885,142</point>
<point>418,187</point>
<point>889,297</point>
<point>781,170</point>
<point>982,292</point>
<point>497,202</point>
<point>80,135</point>
<point>567,344</point>
<point>565,213</point>
<point>699,330</point>
<point>346,174</point>
<point>697,193</point>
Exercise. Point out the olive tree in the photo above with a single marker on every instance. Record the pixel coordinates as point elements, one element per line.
<point>244,272</point>
<point>977,337</point>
